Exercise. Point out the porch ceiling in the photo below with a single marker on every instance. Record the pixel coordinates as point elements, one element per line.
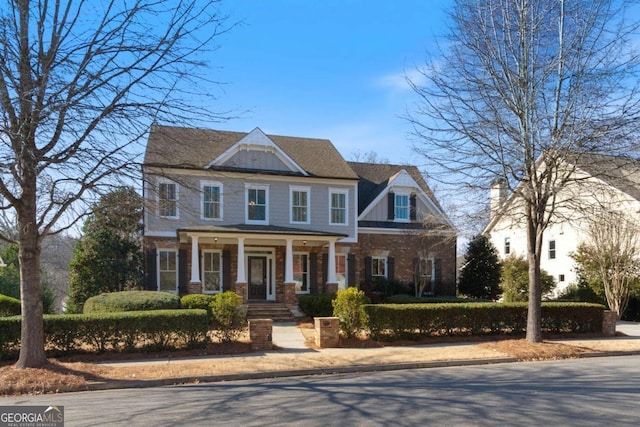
<point>256,234</point>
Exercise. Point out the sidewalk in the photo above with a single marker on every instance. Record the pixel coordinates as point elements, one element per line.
<point>292,357</point>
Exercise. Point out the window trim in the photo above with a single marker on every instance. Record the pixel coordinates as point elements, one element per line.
<point>176,200</point>
<point>204,184</point>
<point>552,249</point>
<point>344,192</point>
<point>202,263</point>
<point>306,272</point>
<point>395,206</point>
<point>377,259</point>
<point>264,187</point>
<point>301,189</point>
<point>158,271</point>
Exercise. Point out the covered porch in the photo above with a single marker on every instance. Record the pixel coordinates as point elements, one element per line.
<point>260,263</point>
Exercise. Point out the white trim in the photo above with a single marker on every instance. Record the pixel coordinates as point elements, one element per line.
<point>160,233</point>
<point>345,191</point>
<point>177,261</point>
<point>203,184</point>
<point>301,189</point>
<point>202,263</point>
<point>270,255</point>
<point>403,231</point>
<point>402,193</point>
<point>250,186</point>
<point>176,200</point>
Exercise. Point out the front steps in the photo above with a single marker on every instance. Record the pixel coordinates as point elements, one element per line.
<point>276,311</point>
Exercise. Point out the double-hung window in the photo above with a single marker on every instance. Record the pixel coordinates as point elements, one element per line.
<point>507,245</point>
<point>257,211</point>
<point>338,207</point>
<point>168,199</point>
<point>299,205</point>
<point>168,270</point>
<point>301,273</point>
<point>341,270</point>
<point>401,207</point>
<point>212,271</point>
<point>211,200</point>
<point>552,249</point>
<point>379,267</point>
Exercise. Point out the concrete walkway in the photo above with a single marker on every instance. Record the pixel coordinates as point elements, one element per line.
<point>287,336</point>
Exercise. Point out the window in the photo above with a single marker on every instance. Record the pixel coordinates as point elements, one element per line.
<point>401,207</point>
<point>168,270</point>
<point>212,271</point>
<point>301,273</point>
<point>299,205</point>
<point>378,267</point>
<point>507,245</point>
<point>168,200</point>
<point>338,207</point>
<point>212,201</point>
<point>561,278</point>
<point>552,249</point>
<point>341,271</point>
<point>257,200</point>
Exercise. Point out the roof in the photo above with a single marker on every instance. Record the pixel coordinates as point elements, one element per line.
<point>375,177</point>
<point>181,147</point>
<point>622,173</point>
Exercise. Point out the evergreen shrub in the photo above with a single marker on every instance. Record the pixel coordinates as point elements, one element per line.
<point>131,301</point>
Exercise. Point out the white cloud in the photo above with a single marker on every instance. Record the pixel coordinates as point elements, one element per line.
<point>399,81</point>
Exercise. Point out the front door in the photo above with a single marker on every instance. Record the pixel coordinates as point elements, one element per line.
<point>257,277</point>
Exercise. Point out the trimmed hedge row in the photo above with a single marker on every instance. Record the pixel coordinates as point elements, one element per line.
<point>124,331</point>
<point>9,306</point>
<point>318,305</point>
<point>131,301</point>
<point>388,322</point>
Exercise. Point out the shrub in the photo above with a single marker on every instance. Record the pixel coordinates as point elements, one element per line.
<point>348,307</point>
<point>515,279</point>
<point>201,301</point>
<point>228,315</point>
<point>131,301</point>
<point>9,306</point>
<point>480,274</point>
<point>319,305</point>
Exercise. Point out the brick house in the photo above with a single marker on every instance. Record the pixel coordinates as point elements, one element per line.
<point>271,217</point>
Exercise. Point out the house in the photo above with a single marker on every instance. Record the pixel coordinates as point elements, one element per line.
<point>272,217</point>
<point>596,182</point>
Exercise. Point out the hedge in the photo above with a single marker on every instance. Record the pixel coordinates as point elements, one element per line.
<point>9,306</point>
<point>124,331</point>
<point>316,305</point>
<point>388,322</point>
<point>131,301</point>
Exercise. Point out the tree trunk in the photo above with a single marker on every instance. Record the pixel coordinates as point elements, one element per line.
<point>534,313</point>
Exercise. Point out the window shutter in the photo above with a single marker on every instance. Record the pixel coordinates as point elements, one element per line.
<point>325,268</point>
<point>351,270</point>
<point>437,267</point>
<point>412,210</point>
<point>226,271</point>
<point>367,269</point>
<point>182,271</point>
<point>391,268</point>
<point>391,206</point>
<point>151,273</point>
<point>313,272</point>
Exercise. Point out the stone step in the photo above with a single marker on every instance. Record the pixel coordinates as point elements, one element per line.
<point>269,310</point>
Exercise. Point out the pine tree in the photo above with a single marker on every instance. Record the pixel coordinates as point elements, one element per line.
<point>480,275</point>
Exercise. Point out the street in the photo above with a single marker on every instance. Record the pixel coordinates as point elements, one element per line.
<point>593,391</point>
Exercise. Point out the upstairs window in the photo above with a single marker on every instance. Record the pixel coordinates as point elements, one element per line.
<point>168,200</point>
<point>257,207</point>
<point>338,207</point>
<point>552,249</point>
<point>212,201</point>
<point>299,205</point>
<point>401,207</point>
<point>507,245</point>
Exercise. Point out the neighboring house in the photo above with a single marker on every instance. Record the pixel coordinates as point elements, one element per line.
<point>597,182</point>
<point>272,217</point>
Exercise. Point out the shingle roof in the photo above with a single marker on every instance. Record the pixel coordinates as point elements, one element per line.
<point>620,172</point>
<point>172,146</point>
<point>374,178</point>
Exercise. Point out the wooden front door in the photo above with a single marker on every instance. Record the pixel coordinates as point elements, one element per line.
<point>257,277</point>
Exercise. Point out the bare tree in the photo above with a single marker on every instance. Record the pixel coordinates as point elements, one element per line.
<point>521,85</point>
<point>612,252</point>
<point>80,84</point>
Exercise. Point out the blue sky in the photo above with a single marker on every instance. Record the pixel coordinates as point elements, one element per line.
<point>326,69</point>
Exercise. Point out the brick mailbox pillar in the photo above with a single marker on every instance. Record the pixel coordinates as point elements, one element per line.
<point>327,330</point>
<point>261,334</point>
<point>609,323</point>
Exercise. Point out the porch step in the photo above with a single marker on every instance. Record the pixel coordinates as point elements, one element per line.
<point>275,311</point>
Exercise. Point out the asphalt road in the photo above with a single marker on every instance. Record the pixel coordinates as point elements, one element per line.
<point>582,392</point>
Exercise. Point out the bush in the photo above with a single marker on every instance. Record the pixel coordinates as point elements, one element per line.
<point>416,321</point>
<point>348,307</point>
<point>228,315</point>
<point>515,280</point>
<point>201,301</point>
<point>480,274</point>
<point>99,332</point>
<point>319,305</point>
<point>131,301</point>
<point>408,299</point>
<point>9,306</point>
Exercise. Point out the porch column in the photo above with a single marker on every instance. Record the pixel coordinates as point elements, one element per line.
<point>195,260</point>
<point>288,262</point>
<point>241,273</point>
<point>331,267</point>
